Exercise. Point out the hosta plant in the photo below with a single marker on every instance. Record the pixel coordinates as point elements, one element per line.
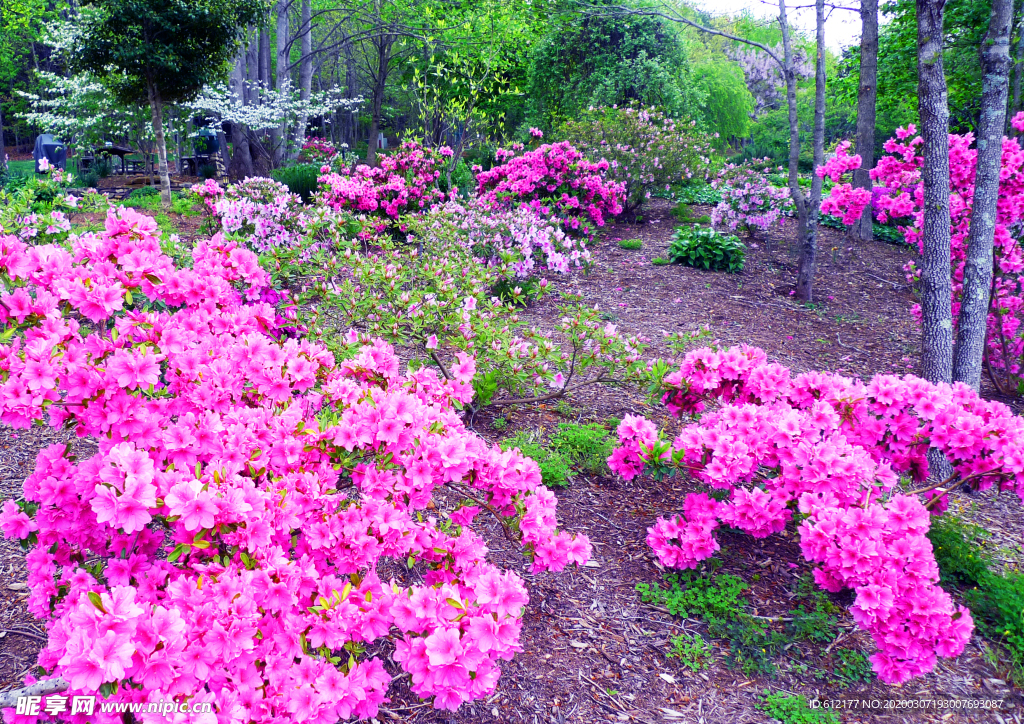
<point>704,248</point>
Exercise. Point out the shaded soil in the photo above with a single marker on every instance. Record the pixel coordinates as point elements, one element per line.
<point>592,650</point>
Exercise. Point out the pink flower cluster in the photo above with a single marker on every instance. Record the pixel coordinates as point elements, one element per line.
<point>844,200</point>
<point>224,542</point>
<point>749,197</point>
<point>831,448</point>
<point>901,196</point>
<point>404,182</point>
<point>554,179</point>
<point>517,238</point>
<point>317,150</point>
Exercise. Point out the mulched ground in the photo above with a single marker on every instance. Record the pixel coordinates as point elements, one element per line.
<point>592,651</point>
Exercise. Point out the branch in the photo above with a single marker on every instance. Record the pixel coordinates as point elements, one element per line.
<point>9,699</point>
<point>549,396</point>
<point>504,526</point>
<point>623,11</point>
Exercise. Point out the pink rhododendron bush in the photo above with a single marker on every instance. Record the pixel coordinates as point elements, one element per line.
<point>827,452</point>
<point>901,195</point>
<point>236,537</point>
<point>749,198</point>
<point>554,178</point>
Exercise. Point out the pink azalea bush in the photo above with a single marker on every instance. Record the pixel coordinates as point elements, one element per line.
<point>404,182</point>
<point>225,542</point>
<point>317,150</point>
<point>554,179</point>
<point>830,450</point>
<point>900,195</point>
<point>517,239</point>
<point>646,150</point>
<point>749,198</point>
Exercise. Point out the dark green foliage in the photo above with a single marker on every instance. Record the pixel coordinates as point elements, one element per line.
<point>794,709</point>
<point>462,178</point>
<point>717,600</point>
<point>300,179</point>
<point>996,601</point>
<point>207,171</point>
<point>704,248</point>
<point>605,61</point>
<point>555,469</point>
<point>174,47</point>
<point>143,193</point>
<point>586,447</point>
<point>961,562</point>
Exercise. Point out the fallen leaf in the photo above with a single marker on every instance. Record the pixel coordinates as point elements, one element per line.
<point>668,677</point>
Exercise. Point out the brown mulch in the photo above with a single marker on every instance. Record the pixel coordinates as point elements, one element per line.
<point>592,650</point>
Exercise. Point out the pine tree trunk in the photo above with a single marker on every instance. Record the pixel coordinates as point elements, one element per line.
<point>156,106</point>
<point>973,322</point>
<point>867,95</point>
<point>936,282</point>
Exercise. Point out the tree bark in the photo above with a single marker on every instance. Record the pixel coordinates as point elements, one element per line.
<point>156,107</point>
<point>305,73</point>
<point>279,137</point>
<point>973,322</point>
<point>809,240</point>
<point>351,91</point>
<point>383,45</point>
<point>867,95</point>
<point>265,79</point>
<point>1018,66</point>
<point>3,148</point>
<point>936,281</point>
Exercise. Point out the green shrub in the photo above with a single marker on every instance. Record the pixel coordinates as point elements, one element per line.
<point>462,179</point>
<point>208,171</point>
<point>300,179</point>
<point>660,261</point>
<point>961,562</point>
<point>631,244</point>
<point>794,709</point>
<point>705,248</point>
<point>586,447</point>
<point>555,470</point>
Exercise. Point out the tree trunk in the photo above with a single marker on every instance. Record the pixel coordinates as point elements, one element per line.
<point>380,78</point>
<point>265,79</point>
<point>156,106</point>
<point>3,148</point>
<point>936,281</point>
<point>305,73</point>
<point>809,240</point>
<point>252,70</point>
<point>973,322</point>
<point>279,137</point>
<point>867,94</point>
<point>1018,66</point>
<point>351,91</point>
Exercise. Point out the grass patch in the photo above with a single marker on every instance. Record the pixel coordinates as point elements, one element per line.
<point>632,244</point>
